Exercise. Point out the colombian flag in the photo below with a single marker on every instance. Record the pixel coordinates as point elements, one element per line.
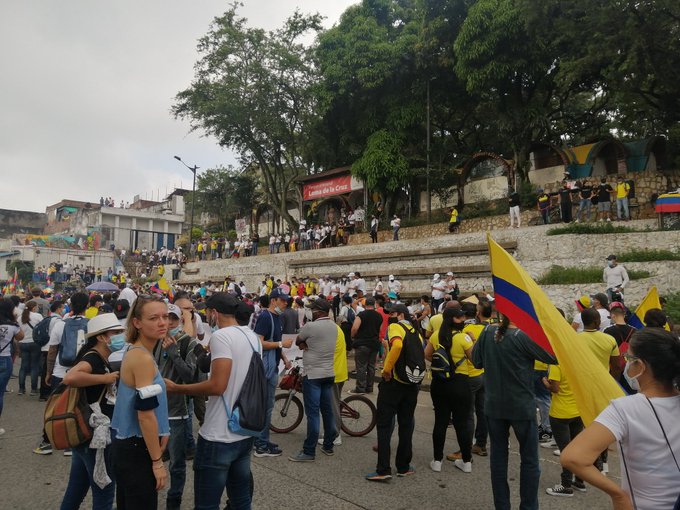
<point>650,301</point>
<point>523,301</point>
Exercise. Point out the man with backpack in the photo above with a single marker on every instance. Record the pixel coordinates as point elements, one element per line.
<point>66,338</point>
<point>41,336</point>
<point>366,342</point>
<point>403,371</point>
<point>223,455</point>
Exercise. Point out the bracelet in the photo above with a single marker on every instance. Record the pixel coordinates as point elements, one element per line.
<point>162,466</point>
<point>156,460</point>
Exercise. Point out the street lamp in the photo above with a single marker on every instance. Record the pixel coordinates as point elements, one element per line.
<point>193,198</point>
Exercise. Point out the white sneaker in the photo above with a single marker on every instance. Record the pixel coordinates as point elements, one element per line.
<point>336,442</point>
<point>549,444</point>
<point>2,431</point>
<point>557,453</point>
<point>465,467</point>
<point>436,465</point>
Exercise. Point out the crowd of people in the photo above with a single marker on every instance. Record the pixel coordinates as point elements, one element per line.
<point>150,365</point>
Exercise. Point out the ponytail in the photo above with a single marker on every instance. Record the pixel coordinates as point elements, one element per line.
<point>26,314</point>
<point>502,328</point>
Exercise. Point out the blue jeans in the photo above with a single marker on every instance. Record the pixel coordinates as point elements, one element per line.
<point>622,208</point>
<point>80,480</point>
<point>5,374</point>
<point>189,429</point>
<point>218,466</point>
<point>263,440</point>
<point>30,363</point>
<point>542,399</point>
<point>318,396</point>
<point>177,450</point>
<point>530,471</point>
<point>583,206</point>
<point>395,233</point>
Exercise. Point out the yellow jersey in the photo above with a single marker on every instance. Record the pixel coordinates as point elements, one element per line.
<point>459,344</point>
<point>602,345</point>
<point>340,358</point>
<point>622,190</point>
<point>563,403</point>
<point>473,331</point>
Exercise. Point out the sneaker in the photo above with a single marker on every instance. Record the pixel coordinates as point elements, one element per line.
<point>32,393</point>
<point>43,449</point>
<point>557,453</point>
<point>544,437</point>
<point>42,399</point>
<point>454,456</point>
<point>267,451</point>
<point>375,477</point>
<point>549,444</point>
<point>356,392</point>
<point>479,450</point>
<point>560,490</point>
<point>579,486</point>
<point>436,465</point>
<point>336,442</point>
<point>328,451</point>
<point>465,467</point>
<point>410,471</point>
<point>2,431</point>
<point>21,392</point>
<point>68,453</point>
<point>301,457</point>
<point>609,219</point>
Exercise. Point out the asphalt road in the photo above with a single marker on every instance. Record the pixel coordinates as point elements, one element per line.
<point>29,481</point>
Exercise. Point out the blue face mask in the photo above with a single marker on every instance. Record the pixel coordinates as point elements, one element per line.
<point>117,342</point>
<point>174,331</point>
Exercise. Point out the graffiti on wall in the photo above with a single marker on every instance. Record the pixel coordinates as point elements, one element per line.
<point>91,241</point>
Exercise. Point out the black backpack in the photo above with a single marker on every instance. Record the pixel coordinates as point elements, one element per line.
<point>442,366</point>
<point>410,368</point>
<point>41,331</point>
<point>249,414</point>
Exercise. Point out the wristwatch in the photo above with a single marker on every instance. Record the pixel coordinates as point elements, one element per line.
<point>280,345</point>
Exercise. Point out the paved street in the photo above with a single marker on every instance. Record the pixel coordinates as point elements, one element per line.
<point>29,481</point>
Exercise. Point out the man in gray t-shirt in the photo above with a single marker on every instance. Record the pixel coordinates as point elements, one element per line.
<point>317,339</point>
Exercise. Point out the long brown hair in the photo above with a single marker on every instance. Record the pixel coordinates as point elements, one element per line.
<point>131,332</point>
<point>26,314</point>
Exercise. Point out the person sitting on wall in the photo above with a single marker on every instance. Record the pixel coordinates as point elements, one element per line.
<point>454,220</point>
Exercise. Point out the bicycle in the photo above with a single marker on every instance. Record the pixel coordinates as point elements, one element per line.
<point>358,413</point>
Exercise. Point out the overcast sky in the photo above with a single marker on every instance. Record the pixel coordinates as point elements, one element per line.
<point>86,89</point>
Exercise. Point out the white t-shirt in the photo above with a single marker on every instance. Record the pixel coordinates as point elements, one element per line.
<point>128,294</point>
<point>33,319</point>
<point>653,474</point>
<point>605,320</point>
<point>360,284</point>
<point>394,286</point>
<point>438,289</point>
<point>235,343</point>
<point>55,339</point>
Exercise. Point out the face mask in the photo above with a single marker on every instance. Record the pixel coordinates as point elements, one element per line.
<point>174,331</point>
<point>632,381</point>
<point>458,326</point>
<point>117,342</point>
<point>393,320</point>
<point>610,264</point>
<point>277,310</point>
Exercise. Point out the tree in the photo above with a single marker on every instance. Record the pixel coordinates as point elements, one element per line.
<point>253,91</point>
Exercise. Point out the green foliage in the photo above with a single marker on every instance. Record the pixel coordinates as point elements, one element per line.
<point>484,209</point>
<point>647,255</point>
<point>25,270</point>
<point>589,228</point>
<point>558,275</point>
<point>672,306</point>
<point>527,195</point>
<point>382,165</point>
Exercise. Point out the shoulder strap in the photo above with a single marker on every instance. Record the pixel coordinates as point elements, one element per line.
<point>664,432</point>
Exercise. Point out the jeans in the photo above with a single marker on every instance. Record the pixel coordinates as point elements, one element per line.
<point>564,430</point>
<point>452,400</point>
<point>545,214</point>
<point>530,472</point>
<point>395,398</point>
<point>254,249</point>
<point>177,449</point>
<point>189,429</point>
<point>395,233</point>
<point>30,363</point>
<point>364,358</point>
<point>45,389</point>
<point>542,400</point>
<point>220,466</point>
<point>5,374</point>
<point>477,404</point>
<point>263,440</point>
<point>622,208</point>
<point>80,480</point>
<point>583,206</point>
<point>135,481</point>
<point>337,411</point>
<point>318,396</point>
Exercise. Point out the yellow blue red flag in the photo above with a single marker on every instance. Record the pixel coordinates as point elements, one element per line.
<point>524,303</point>
<point>650,301</point>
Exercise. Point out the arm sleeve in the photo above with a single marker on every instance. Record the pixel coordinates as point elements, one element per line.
<point>393,354</point>
<point>624,275</point>
<point>554,373</point>
<point>614,421</point>
<point>263,326</point>
<point>186,368</point>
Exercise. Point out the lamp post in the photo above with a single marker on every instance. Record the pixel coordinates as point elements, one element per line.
<point>193,198</point>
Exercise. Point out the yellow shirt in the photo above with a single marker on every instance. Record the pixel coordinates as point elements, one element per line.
<point>622,190</point>
<point>434,324</point>
<point>460,343</point>
<point>199,247</point>
<point>454,216</point>
<point>474,330</point>
<point>340,358</point>
<point>602,345</point>
<point>92,311</point>
<point>563,403</point>
<point>540,366</point>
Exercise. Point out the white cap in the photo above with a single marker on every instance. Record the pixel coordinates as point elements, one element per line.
<point>175,310</point>
<point>102,323</point>
<point>350,275</point>
<point>449,273</point>
<point>391,277</point>
<point>437,276</point>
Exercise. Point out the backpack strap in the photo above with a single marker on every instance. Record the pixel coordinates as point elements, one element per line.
<point>224,401</point>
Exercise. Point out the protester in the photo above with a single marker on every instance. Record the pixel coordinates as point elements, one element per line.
<point>622,192</point>
<point>30,351</point>
<point>317,339</point>
<point>396,225</point>
<point>543,203</point>
<point>10,331</point>
<point>92,372</point>
<point>140,418</point>
<point>622,333</point>
<point>615,278</point>
<point>451,395</point>
<point>507,356</point>
<point>222,458</point>
<point>513,200</point>
<point>565,202</point>
<point>604,208</point>
<point>365,332</point>
<point>644,426</point>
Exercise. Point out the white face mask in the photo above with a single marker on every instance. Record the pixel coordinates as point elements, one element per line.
<point>631,380</point>
<point>308,315</point>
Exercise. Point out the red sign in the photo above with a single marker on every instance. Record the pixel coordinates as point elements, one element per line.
<point>327,187</point>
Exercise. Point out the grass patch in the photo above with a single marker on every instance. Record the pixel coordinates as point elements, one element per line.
<point>673,306</point>
<point>647,256</point>
<point>558,275</point>
<point>590,228</point>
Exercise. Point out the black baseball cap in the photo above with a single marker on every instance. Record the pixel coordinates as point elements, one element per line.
<point>223,302</point>
<point>611,257</point>
<point>320,304</point>
<point>400,308</point>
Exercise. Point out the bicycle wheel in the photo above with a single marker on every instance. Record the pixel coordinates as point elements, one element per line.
<point>287,413</point>
<point>358,415</point>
